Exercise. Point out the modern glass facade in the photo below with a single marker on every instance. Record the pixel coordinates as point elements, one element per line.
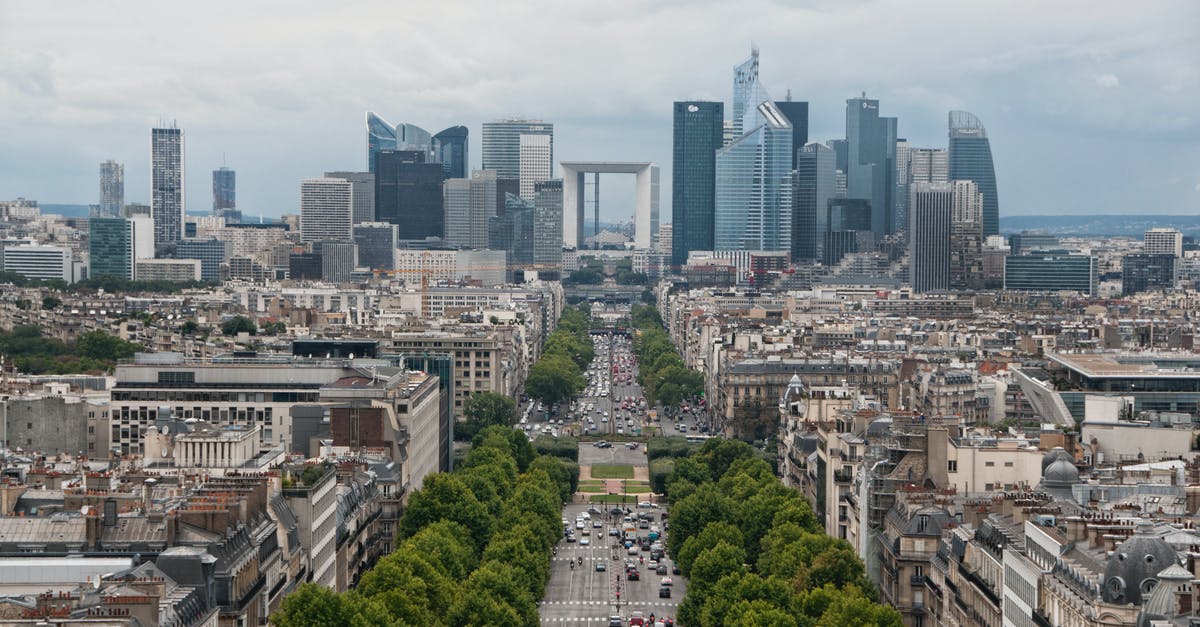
<point>110,248</point>
<point>502,144</point>
<point>450,149</point>
<point>380,136</point>
<point>166,185</point>
<point>408,193</point>
<point>747,93</point>
<point>210,253</point>
<point>971,159</point>
<point>753,199</point>
<point>929,236</point>
<point>224,185</point>
<point>363,185</point>
<point>813,187</point>
<point>697,138</point>
<point>512,231</point>
<point>1143,272</point>
<point>871,161</point>
<point>548,223</point>
<point>112,189</point>
<point>376,244</point>
<point>797,114</point>
<point>1051,272</point>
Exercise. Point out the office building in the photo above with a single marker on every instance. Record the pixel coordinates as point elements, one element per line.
<point>548,224</point>
<point>210,252</point>
<point>698,130</point>
<point>172,270</point>
<point>512,231</point>
<point>747,95</point>
<point>753,199</point>
<point>502,144</point>
<point>535,165</point>
<point>224,186</point>
<point>871,161</point>
<point>1051,272</point>
<point>450,150</point>
<point>40,263</point>
<point>338,260</point>
<point>376,243</point>
<point>167,193</point>
<point>305,266</point>
<point>1144,272</point>
<point>363,184</point>
<point>931,216</point>
<point>408,193</point>
<point>1026,241</point>
<point>1160,241</point>
<point>383,136</point>
<point>469,203</point>
<point>966,237</point>
<point>916,165</point>
<point>847,229</point>
<point>797,114</point>
<point>666,234</point>
<point>112,189</point>
<point>813,188</point>
<point>971,160</point>
<point>326,206</point>
<point>113,245</point>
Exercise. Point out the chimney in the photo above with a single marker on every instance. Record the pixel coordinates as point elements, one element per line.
<point>92,526</point>
<point>148,494</point>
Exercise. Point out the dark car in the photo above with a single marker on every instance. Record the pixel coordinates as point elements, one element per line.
<point>633,575</point>
<point>615,621</point>
<point>676,571</point>
<point>662,569</point>
<point>664,592</point>
<point>600,567</point>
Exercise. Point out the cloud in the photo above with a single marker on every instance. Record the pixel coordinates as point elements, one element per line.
<point>1107,80</point>
<point>28,72</point>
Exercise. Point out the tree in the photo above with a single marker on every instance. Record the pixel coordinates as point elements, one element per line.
<point>483,608</point>
<point>713,564</point>
<point>446,497</point>
<point>712,534</point>
<point>100,345</point>
<point>448,546</point>
<point>553,378</point>
<point>238,324</point>
<point>585,276</point>
<point>51,302</point>
<point>485,409</point>
<point>570,345</point>
<point>311,604</point>
<point>189,327</point>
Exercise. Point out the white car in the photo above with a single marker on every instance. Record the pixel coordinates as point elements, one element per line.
<point>584,541</point>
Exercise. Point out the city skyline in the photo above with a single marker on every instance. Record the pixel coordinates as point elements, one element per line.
<point>1084,83</point>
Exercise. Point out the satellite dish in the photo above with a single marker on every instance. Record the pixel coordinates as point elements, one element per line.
<point>164,452</point>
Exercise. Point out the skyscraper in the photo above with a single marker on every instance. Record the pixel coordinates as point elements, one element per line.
<point>167,195</point>
<point>753,196</point>
<point>224,183</point>
<point>548,223</point>
<point>338,259</point>
<point>971,160</point>
<point>502,144</point>
<point>512,231</point>
<point>966,236</point>
<point>870,161</point>
<point>747,94</point>
<point>450,149</point>
<point>110,248</point>
<point>364,193</point>
<point>403,136</point>
<point>376,244</point>
<point>916,165</point>
<point>1163,242</point>
<point>797,114</point>
<point>929,236</point>
<point>813,187</point>
<point>326,209</point>
<point>697,138</point>
<point>468,205</point>
<point>112,189</point>
<point>408,193</point>
<point>535,162</point>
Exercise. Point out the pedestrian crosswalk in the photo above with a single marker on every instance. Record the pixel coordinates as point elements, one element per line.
<point>650,605</point>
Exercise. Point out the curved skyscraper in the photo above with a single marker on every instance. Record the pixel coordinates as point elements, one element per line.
<point>450,148</point>
<point>971,159</point>
<point>380,136</point>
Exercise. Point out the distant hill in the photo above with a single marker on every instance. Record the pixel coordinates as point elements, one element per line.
<point>66,211</point>
<point>1100,225</point>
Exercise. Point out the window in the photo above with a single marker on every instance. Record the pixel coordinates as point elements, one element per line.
<point>1008,464</point>
<point>989,464</point>
<point>952,465</point>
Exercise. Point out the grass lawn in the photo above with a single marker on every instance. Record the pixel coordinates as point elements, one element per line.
<point>612,498</point>
<point>637,489</point>
<point>612,471</point>
<point>593,489</point>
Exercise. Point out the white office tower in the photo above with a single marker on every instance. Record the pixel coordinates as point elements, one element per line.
<point>1162,241</point>
<point>326,210</point>
<point>468,205</point>
<point>535,163</point>
<point>930,219</point>
<point>41,263</point>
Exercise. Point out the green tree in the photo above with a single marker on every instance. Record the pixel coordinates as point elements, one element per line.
<point>712,534</point>
<point>585,276</point>
<point>448,546</point>
<point>578,349</point>
<point>483,608</point>
<point>485,409</point>
<point>100,345</point>
<point>189,327</point>
<point>51,302</point>
<point>553,378</point>
<point>508,439</point>
<point>850,606</point>
<point>310,605</point>
<point>238,324</point>
<point>446,497</point>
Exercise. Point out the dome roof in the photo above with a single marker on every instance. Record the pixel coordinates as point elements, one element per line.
<point>1132,569</point>
<point>1060,474</point>
<point>1054,455</point>
<point>1162,603</point>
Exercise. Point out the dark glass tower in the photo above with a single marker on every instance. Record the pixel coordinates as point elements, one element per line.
<point>813,182</point>
<point>224,192</point>
<point>408,193</point>
<point>380,136</point>
<point>797,114</point>
<point>450,148</point>
<point>699,129</point>
<point>971,160</point>
<point>871,161</point>
<point>110,246</point>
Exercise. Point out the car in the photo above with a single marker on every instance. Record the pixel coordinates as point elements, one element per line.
<point>667,581</point>
<point>631,445</point>
<point>586,532</point>
<point>632,550</point>
<point>633,575</point>
<point>595,511</point>
<point>584,542</point>
<point>662,570</point>
<point>614,532</point>
<point>578,524</point>
<point>615,621</point>
<point>664,592</point>
<point>597,524</point>
<point>676,571</point>
<point>570,537</point>
<point>647,505</point>
<point>601,567</point>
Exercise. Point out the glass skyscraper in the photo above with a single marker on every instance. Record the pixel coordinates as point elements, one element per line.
<point>408,193</point>
<point>971,159</point>
<point>167,195</point>
<point>871,161</point>
<point>403,136</point>
<point>450,149</point>
<point>753,199</point>
<point>112,188</point>
<point>376,244</point>
<point>110,248</point>
<point>747,93</point>
<point>548,223</point>
<point>698,135</point>
<point>502,145</point>
<point>224,182</point>
<point>797,114</point>
<point>813,187</point>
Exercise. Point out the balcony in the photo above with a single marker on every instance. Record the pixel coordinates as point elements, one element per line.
<point>843,476</point>
<point>917,580</point>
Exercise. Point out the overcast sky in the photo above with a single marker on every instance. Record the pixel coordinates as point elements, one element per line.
<point>1091,106</point>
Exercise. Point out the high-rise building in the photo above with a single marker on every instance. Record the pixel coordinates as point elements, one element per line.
<point>813,187</point>
<point>110,248</point>
<point>112,189</point>
<point>40,263</point>
<point>408,193</point>
<point>548,223</point>
<point>1051,272</point>
<point>1025,241</point>
<point>384,136</point>
<point>502,144</point>
<point>376,244</point>
<point>966,236</point>
<point>224,185</point>
<point>929,231</point>
<point>971,160</point>
<point>1162,241</point>
<point>697,138</point>
<point>468,205</point>
<point>870,161</point>
<point>304,266</point>
<point>210,252</point>
<point>326,208</point>
<point>338,260</point>
<point>450,149</point>
<point>364,193</point>
<point>753,199</point>
<point>535,165</point>
<point>1143,272</point>
<point>512,231</point>
<point>666,234</point>
<point>928,165</point>
<point>747,94</point>
<point>167,194</point>
<point>796,113</point>
<point>847,229</point>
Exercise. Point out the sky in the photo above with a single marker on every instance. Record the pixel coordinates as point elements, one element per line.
<point>1091,106</point>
